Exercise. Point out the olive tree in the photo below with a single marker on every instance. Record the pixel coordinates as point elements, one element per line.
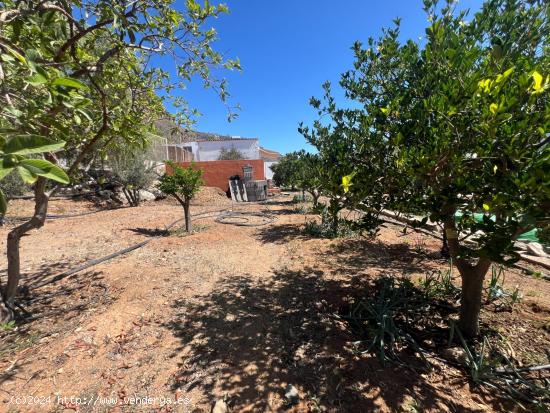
<point>182,184</point>
<point>76,75</point>
<point>132,171</point>
<point>467,116</point>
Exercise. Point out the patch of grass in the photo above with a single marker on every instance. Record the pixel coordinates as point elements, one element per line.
<point>181,232</point>
<point>7,326</point>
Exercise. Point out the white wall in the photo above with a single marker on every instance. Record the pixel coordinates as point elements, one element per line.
<point>210,150</point>
<point>267,169</point>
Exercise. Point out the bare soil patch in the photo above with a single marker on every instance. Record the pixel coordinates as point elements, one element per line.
<point>229,311</point>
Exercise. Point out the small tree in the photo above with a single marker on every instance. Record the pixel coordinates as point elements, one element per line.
<point>467,118</point>
<point>285,171</point>
<point>310,175</point>
<point>182,184</point>
<point>299,169</point>
<point>130,170</point>
<point>231,154</point>
<point>335,167</point>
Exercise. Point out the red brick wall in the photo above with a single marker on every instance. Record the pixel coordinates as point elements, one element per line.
<point>217,173</point>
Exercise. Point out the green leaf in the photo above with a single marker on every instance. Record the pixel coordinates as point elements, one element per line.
<point>26,144</point>
<point>6,57</point>
<point>485,85</point>
<point>15,54</point>
<point>486,207</point>
<point>84,113</point>
<point>37,80</point>
<point>69,82</point>
<point>46,169</point>
<point>15,112</point>
<point>4,170</point>
<point>3,203</point>
<point>27,176</point>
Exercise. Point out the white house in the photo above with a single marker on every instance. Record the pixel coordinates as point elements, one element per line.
<point>270,158</point>
<point>210,150</point>
<point>181,145</point>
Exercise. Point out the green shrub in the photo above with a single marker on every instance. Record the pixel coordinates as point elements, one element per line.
<point>231,154</point>
<point>130,170</point>
<point>327,229</point>
<point>12,185</point>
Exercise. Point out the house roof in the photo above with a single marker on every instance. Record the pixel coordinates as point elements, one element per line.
<point>269,154</point>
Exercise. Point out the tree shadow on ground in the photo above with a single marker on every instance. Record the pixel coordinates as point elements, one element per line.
<point>48,293</point>
<point>359,254</point>
<point>150,232</point>
<point>52,308</point>
<point>250,338</point>
<point>282,211</point>
<point>282,233</point>
<point>34,277</point>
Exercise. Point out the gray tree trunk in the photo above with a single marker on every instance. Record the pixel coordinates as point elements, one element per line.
<point>14,237</point>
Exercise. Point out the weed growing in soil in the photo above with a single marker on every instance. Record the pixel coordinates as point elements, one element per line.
<point>8,326</point>
<point>301,208</point>
<point>492,367</point>
<point>496,293</point>
<point>298,199</point>
<point>394,316</point>
<point>345,228</point>
<point>439,285</point>
<point>384,316</point>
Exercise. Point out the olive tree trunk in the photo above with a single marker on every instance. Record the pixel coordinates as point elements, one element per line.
<point>132,196</point>
<point>14,238</point>
<point>472,276</point>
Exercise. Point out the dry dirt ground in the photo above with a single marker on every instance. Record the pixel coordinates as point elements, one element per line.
<point>234,312</point>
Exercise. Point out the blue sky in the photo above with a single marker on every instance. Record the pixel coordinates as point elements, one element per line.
<point>288,48</point>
